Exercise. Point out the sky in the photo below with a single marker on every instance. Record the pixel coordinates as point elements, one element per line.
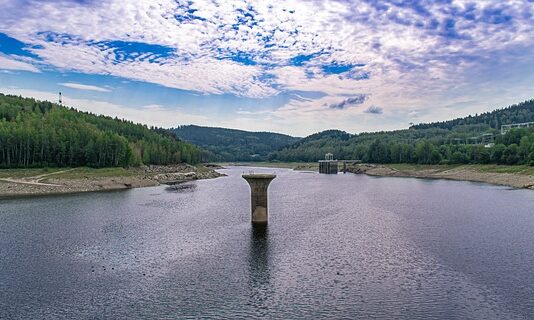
<point>295,67</point>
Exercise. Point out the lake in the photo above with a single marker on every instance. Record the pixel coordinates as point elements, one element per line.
<point>337,246</point>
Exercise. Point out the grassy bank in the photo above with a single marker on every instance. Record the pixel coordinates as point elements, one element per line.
<point>66,173</point>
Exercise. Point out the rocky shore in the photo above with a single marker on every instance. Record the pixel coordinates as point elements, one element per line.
<point>463,173</point>
<point>85,180</point>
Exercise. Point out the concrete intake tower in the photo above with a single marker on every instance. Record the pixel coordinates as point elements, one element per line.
<point>258,194</point>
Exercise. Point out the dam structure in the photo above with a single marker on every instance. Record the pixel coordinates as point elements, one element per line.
<point>328,165</point>
<point>259,183</point>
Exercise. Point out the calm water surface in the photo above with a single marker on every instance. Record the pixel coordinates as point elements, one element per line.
<point>345,246</point>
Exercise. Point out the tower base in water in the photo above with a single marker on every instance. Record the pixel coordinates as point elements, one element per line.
<point>258,195</point>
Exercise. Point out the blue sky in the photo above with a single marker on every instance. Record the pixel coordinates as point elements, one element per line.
<point>295,67</point>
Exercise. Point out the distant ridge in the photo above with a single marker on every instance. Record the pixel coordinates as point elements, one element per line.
<point>221,144</point>
<point>517,113</point>
<point>471,139</point>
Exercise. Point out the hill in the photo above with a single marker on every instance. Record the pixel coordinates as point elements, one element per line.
<point>40,133</point>
<point>473,139</point>
<point>518,113</point>
<point>222,144</point>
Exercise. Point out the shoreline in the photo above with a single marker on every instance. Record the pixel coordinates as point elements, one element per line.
<point>519,177</point>
<point>473,173</point>
<point>22,183</point>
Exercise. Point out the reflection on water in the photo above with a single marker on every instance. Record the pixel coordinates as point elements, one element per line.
<point>259,269</point>
<point>181,187</point>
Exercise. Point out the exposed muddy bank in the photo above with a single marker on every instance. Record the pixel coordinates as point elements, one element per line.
<point>492,174</point>
<point>462,173</point>
<point>78,180</point>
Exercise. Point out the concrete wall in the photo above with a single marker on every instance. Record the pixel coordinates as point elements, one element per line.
<point>328,166</point>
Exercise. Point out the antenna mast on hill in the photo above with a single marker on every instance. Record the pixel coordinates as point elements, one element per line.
<point>60,98</point>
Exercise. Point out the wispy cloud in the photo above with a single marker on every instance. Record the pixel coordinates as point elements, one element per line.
<point>401,54</point>
<point>349,102</point>
<point>15,63</point>
<point>254,113</point>
<point>233,47</point>
<point>374,110</point>
<point>80,86</point>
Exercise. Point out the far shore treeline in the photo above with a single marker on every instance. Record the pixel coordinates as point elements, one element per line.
<point>221,144</point>
<point>39,133</point>
<point>473,139</point>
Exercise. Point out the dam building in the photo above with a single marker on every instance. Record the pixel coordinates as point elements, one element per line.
<point>328,165</point>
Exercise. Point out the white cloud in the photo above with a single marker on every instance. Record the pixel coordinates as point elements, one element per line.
<point>386,37</point>
<point>415,56</point>
<point>80,86</point>
<point>14,63</point>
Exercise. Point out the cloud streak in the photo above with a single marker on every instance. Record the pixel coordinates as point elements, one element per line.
<point>349,102</point>
<point>16,63</point>
<point>374,110</point>
<point>86,87</point>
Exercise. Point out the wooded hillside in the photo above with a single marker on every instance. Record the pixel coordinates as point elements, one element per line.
<point>222,144</point>
<point>473,139</point>
<point>39,133</point>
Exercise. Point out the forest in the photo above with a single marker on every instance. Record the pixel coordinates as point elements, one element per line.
<point>473,139</point>
<point>220,144</point>
<point>40,134</point>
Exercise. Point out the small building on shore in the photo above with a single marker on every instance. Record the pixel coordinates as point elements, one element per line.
<point>328,165</point>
